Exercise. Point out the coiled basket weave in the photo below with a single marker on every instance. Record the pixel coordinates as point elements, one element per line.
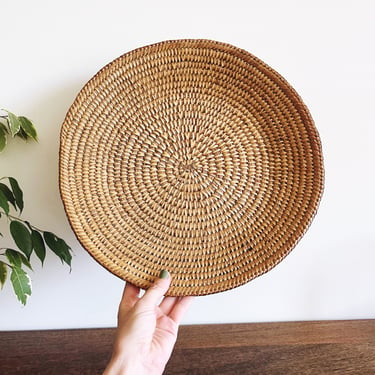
<point>192,156</point>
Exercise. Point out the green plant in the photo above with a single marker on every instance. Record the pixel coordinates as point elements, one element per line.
<point>27,238</point>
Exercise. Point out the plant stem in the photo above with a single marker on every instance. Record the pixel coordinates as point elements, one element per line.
<point>8,265</point>
<point>3,255</point>
<point>19,219</point>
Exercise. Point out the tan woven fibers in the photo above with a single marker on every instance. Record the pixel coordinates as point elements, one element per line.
<point>192,156</point>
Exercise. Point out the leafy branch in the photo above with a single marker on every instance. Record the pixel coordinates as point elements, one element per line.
<point>27,238</point>
<point>15,126</point>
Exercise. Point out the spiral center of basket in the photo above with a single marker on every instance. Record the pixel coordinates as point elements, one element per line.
<point>190,168</point>
<point>187,167</point>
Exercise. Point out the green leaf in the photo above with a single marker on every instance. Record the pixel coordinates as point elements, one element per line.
<point>3,138</point>
<point>8,193</point>
<point>21,284</point>
<point>38,245</point>
<point>22,237</point>
<point>14,257</point>
<point>4,124</point>
<point>4,202</point>
<point>3,273</point>
<point>58,246</point>
<point>21,134</point>
<point>28,224</point>
<point>28,128</point>
<point>14,123</point>
<point>17,192</point>
<point>26,262</point>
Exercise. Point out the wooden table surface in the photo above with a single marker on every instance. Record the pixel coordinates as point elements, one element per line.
<point>300,348</point>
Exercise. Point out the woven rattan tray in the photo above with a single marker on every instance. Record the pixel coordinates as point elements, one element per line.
<point>192,156</point>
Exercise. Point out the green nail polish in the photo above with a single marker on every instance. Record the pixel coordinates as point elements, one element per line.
<point>163,274</point>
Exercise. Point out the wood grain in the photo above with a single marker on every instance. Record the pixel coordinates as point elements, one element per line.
<point>311,348</point>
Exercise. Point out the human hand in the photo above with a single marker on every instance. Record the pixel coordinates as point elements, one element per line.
<point>146,331</point>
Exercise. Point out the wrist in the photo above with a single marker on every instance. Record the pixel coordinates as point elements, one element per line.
<point>119,367</point>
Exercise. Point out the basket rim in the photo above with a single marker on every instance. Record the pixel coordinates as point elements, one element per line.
<point>296,100</point>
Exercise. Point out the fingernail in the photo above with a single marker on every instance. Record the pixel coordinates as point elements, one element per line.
<point>163,274</point>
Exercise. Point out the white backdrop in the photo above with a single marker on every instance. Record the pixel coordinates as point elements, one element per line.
<point>325,49</point>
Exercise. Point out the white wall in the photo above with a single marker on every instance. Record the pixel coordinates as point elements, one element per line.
<point>324,48</point>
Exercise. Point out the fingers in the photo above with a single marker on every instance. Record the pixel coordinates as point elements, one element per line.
<point>167,304</point>
<point>157,290</point>
<point>173,307</point>
<point>130,296</point>
<point>180,308</point>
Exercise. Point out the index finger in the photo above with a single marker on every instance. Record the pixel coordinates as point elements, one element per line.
<point>157,290</point>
